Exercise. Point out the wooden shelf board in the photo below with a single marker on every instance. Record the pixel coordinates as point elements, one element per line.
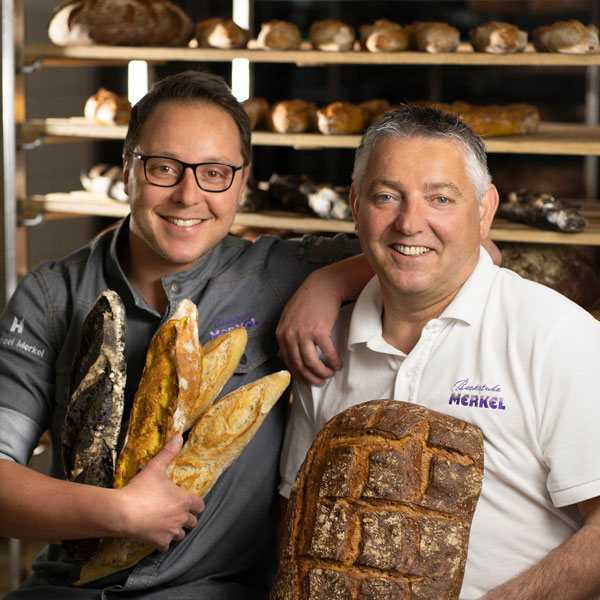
<point>87,203</point>
<point>552,138</point>
<point>58,55</point>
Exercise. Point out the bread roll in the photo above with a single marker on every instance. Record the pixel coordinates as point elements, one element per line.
<point>257,110</point>
<point>221,33</point>
<point>278,35</point>
<point>497,37</point>
<point>92,423</point>
<point>216,440</point>
<point>293,116</point>
<point>568,37</point>
<point>167,391</point>
<point>341,118</point>
<point>383,36</point>
<point>382,507</point>
<point>374,109</point>
<point>331,35</point>
<point>120,22</point>
<point>107,108</point>
<point>433,36</point>
<point>104,179</point>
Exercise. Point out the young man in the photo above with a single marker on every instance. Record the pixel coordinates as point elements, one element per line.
<point>441,326</point>
<point>186,162</point>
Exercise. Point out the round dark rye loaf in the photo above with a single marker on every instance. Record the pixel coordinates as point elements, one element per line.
<point>381,508</point>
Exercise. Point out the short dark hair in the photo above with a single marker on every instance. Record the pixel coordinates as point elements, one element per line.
<point>189,86</point>
<point>409,121</point>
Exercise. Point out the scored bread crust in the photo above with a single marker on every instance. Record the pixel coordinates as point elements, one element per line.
<point>382,507</point>
<point>215,441</point>
<point>220,359</point>
<point>92,422</point>
<point>167,390</point>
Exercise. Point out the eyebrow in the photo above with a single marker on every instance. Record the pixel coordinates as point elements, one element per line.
<point>429,187</point>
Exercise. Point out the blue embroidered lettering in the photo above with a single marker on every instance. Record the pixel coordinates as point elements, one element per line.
<point>474,401</point>
<point>494,402</point>
<point>483,401</point>
<point>465,400</point>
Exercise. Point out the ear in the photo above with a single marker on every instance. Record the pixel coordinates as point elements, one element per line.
<point>245,174</point>
<point>354,205</point>
<point>487,210</point>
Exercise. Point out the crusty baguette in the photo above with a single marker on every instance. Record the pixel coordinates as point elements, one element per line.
<point>216,440</point>
<point>220,358</point>
<point>223,432</point>
<point>92,422</point>
<point>167,390</point>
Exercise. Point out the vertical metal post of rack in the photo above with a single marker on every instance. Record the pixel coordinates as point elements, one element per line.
<point>592,109</point>
<point>9,217</point>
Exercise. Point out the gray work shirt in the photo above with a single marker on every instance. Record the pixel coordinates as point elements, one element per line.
<point>230,553</point>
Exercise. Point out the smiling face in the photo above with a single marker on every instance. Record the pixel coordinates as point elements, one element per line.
<point>172,228</point>
<point>418,221</point>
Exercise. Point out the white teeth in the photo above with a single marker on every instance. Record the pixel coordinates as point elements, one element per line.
<point>410,250</point>
<point>183,222</point>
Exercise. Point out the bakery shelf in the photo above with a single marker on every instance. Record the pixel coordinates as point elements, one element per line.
<point>88,203</point>
<point>552,138</point>
<point>50,55</point>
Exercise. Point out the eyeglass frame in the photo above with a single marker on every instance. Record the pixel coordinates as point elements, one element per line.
<point>192,166</point>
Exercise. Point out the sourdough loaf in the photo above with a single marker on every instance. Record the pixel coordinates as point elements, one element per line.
<point>341,118</point>
<point>331,35</point>
<point>433,36</point>
<point>221,33</point>
<point>497,37</point>
<point>293,116</point>
<point>108,108</point>
<point>383,36</point>
<point>120,22</point>
<point>278,35</point>
<point>381,507</point>
<point>92,423</point>
<point>568,37</point>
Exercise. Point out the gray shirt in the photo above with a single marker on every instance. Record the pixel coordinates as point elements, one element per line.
<point>230,553</point>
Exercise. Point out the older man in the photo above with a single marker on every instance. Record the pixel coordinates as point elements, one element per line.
<point>440,325</point>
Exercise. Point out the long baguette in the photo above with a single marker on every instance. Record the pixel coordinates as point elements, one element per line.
<point>214,443</point>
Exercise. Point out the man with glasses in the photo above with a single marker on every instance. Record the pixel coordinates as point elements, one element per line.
<point>186,163</point>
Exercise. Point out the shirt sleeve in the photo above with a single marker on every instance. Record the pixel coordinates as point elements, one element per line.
<point>570,409</point>
<point>299,436</point>
<point>27,370</point>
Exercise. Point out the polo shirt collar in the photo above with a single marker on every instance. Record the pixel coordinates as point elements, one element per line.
<point>365,323</point>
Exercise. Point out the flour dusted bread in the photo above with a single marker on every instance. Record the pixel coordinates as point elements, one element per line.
<point>166,393</point>
<point>293,116</point>
<point>497,37</point>
<point>341,117</point>
<point>108,108</point>
<point>382,507</point>
<point>433,36</point>
<point>120,22</point>
<point>215,441</point>
<point>92,423</point>
<point>331,35</point>
<point>383,36</point>
<point>278,35</point>
<point>221,33</point>
<point>568,37</point>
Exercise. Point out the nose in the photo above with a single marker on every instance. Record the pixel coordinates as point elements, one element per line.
<point>187,191</point>
<point>411,218</point>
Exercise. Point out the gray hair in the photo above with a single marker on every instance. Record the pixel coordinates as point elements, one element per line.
<point>408,122</point>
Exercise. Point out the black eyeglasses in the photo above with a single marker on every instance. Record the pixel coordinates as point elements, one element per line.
<point>164,171</point>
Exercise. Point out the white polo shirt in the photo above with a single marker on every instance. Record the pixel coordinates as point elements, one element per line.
<point>513,357</point>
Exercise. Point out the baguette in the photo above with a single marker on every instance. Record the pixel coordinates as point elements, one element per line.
<point>215,441</point>
<point>168,389</point>
<point>92,423</point>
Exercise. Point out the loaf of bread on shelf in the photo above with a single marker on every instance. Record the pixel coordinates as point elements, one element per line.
<point>257,110</point>
<point>568,269</point>
<point>331,35</point>
<point>120,22</point>
<point>92,424</point>
<point>278,35</point>
<point>433,36</point>
<point>108,108</point>
<point>221,33</point>
<point>341,118</point>
<point>382,507</point>
<point>293,116</point>
<point>497,37</point>
<point>383,36</point>
<point>569,37</point>
<point>104,179</point>
<point>374,109</point>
